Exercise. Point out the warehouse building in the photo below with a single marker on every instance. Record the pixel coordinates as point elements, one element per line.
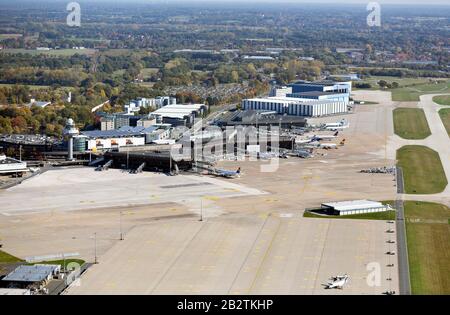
<point>354,207</point>
<point>303,98</point>
<point>296,106</point>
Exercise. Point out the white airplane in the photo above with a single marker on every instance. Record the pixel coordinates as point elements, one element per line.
<point>328,146</point>
<point>303,140</point>
<point>343,124</point>
<point>227,174</point>
<point>325,137</point>
<point>337,282</point>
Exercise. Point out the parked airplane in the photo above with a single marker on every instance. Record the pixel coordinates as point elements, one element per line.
<point>337,282</point>
<point>303,140</point>
<point>227,174</point>
<point>343,124</point>
<point>324,137</point>
<point>328,146</point>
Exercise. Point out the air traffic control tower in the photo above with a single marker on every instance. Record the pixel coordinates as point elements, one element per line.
<point>70,131</point>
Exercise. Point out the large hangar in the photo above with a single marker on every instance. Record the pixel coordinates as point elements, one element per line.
<point>296,106</point>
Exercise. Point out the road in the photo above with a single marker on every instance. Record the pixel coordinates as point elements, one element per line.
<point>402,248</point>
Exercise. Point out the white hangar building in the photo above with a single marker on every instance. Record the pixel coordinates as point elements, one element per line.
<point>296,106</point>
<point>355,207</point>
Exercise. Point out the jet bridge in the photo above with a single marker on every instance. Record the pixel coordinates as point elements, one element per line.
<point>140,169</point>
<point>105,167</point>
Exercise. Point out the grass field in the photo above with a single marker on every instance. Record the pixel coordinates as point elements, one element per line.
<point>428,237</point>
<point>442,99</point>
<point>61,262</point>
<point>410,89</point>
<point>445,116</point>
<point>411,123</point>
<point>387,215</point>
<point>403,82</point>
<point>422,170</point>
<point>6,258</point>
<point>413,93</point>
<point>54,52</point>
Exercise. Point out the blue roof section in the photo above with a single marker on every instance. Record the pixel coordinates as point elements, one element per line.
<point>125,131</point>
<point>317,93</point>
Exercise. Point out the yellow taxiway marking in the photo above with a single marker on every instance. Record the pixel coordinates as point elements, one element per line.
<point>231,189</point>
<point>213,198</point>
<point>207,268</point>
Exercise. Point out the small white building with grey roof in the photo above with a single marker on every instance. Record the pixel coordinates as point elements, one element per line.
<point>342,208</point>
<point>31,274</point>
